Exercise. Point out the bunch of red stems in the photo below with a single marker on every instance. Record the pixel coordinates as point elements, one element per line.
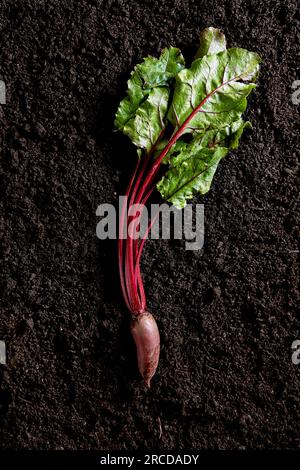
<point>140,188</point>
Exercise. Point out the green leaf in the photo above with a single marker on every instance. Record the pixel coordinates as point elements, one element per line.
<point>208,102</point>
<point>191,174</point>
<point>212,93</point>
<point>148,75</point>
<point>144,128</point>
<point>207,147</point>
<point>227,136</point>
<point>212,41</point>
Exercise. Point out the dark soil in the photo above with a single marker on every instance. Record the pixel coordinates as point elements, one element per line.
<point>227,314</point>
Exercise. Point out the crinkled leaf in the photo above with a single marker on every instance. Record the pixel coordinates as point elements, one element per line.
<point>227,136</point>
<point>192,174</point>
<point>176,149</point>
<point>183,154</point>
<point>151,73</point>
<point>212,41</point>
<point>213,91</point>
<point>208,102</point>
<point>144,128</point>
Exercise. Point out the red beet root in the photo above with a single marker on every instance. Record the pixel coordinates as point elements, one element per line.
<point>146,336</point>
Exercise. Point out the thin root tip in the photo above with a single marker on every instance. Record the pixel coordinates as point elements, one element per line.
<point>147,383</point>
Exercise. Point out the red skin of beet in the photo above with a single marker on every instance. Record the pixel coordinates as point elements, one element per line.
<point>146,336</point>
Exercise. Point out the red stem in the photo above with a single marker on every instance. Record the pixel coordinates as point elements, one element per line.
<point>137,262</point>
<point>121,240</point>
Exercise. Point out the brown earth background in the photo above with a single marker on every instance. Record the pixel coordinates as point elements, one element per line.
<point>227,314</point>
